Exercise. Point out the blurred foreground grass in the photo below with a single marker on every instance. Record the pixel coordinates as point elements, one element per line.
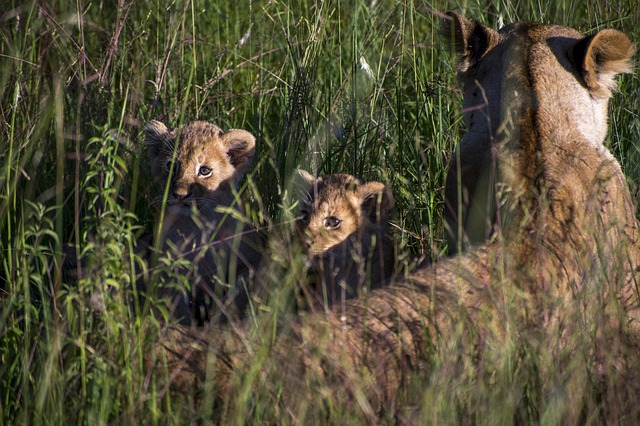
<point>363,87</point>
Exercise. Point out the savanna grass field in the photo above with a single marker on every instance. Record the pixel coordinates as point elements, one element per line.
<point>361,87</point>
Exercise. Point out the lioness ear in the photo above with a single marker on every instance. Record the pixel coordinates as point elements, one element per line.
<point>377,201</point>
<point>156,137</point>
<point>602,56</point>
<point>240,146</point>
<point>469,39</point>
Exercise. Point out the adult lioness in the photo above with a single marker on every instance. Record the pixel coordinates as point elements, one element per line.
<point>343,224</point>
<point>575,102</point>
<point>560,272</point>
<point>202,166</point>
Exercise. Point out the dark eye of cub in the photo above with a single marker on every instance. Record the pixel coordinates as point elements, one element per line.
<point>204,171</point>
<point>332,222</point>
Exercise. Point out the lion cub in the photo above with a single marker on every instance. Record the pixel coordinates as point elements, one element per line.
<point>202,166</point>
<point>343,224</point>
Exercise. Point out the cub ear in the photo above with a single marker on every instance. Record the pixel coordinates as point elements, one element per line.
<point>240,146</point>
<point>304,177</point>
<point>156,136</point>
<point>602,56</point>
<point>377,201</point>
<point>467,38</point>
<point>303,183</point>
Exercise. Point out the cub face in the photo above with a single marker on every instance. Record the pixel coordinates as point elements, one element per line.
<point>338,207</point>
<point>343,225</point>
<point>203,161</point>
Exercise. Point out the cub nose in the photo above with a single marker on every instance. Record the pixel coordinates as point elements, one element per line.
<point>181,194</point>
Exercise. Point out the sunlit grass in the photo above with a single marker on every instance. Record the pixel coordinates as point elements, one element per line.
<point>362,87</point>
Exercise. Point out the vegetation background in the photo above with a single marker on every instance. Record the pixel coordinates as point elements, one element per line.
<point>363,87</point>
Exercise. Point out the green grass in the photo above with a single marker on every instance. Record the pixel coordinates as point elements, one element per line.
<point>79,79</point>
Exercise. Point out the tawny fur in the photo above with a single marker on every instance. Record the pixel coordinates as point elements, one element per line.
<point>343,224</point>
<point>573,77</point>
<point>203,165</point>
<point>563,258</point>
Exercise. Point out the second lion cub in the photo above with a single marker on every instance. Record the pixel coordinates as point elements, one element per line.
<point>343,223</point>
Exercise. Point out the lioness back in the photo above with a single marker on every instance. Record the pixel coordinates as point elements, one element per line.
<point>343,224</point>
<point>202,166</point>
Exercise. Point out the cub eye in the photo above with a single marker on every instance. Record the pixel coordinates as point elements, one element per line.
<point>332,222</point>
<point>204,171</point>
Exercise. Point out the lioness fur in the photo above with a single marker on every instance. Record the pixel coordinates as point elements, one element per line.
<point>202,223</point>
<point>343,224</point>
<point>575,101</point>
<point>562,262</point>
